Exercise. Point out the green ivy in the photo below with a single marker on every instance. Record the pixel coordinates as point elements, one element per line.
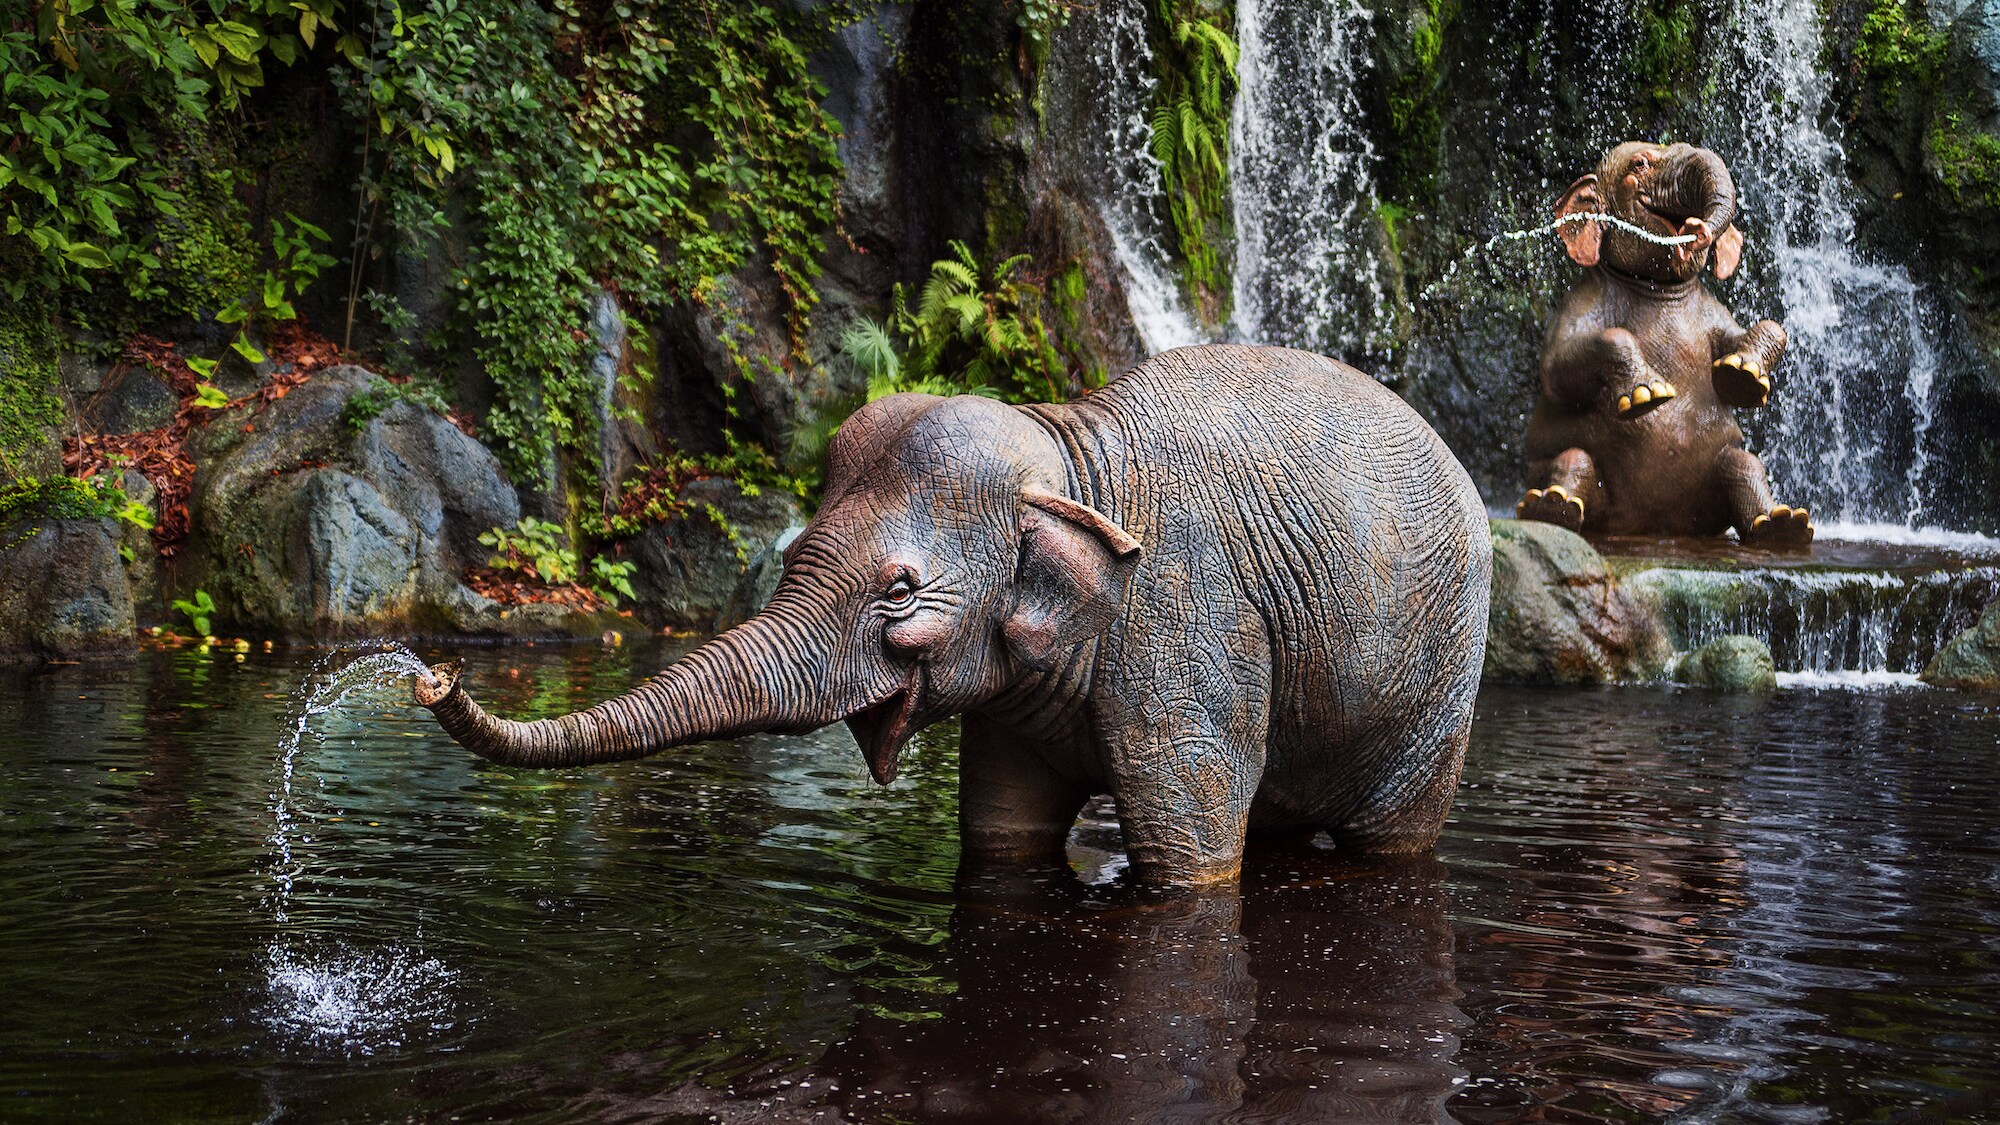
<point>1894,49</point>
<point>1190,120</point>
<point>1968,162</point>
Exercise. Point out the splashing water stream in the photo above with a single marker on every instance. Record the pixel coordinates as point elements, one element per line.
<point>334,995</point>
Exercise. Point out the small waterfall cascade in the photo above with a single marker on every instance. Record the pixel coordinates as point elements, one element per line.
<point>1118,83</point>
<point>328,994</point>
<point>1302,175</point>
<point>1825,622</point>
<point>1849,424</point>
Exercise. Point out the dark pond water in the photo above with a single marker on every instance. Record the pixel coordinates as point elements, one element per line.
<point>1650,905</point>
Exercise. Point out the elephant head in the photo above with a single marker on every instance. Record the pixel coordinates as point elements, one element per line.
<point>946,564</point>
<point>1666,190</point>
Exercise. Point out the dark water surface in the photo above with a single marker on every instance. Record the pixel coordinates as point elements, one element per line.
<point>1650,905</point>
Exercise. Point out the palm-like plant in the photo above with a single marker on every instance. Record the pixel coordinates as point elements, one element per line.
<point>1190,125</point>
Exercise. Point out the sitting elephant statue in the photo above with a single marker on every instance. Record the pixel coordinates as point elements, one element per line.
<point>1632,433</point>
<point>1238,589</point>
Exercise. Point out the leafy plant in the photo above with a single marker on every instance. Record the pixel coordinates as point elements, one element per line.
<point>197,611</point>
<point>380,394</point>
<point>612,580</point>
<point>972,331</point>
<point>541,550</point>
<point>1190,124</point>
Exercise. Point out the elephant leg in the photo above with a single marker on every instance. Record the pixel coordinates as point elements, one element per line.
<point>1011,804</point>
<point>1759,520</point>
<point>1567,478</point>
<point>1742,376</point>
<point>1186,758</point>
<point>1409,822</point>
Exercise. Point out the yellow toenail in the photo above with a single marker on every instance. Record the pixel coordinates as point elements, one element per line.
<point>1624,403</point>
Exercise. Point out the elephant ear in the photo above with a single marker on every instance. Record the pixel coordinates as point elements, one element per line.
<point>1075,569</point>
<point>1728,252</point>
<point>1582,239</point>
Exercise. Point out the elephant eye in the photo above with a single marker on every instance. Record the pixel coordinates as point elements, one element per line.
<point>900,591</point>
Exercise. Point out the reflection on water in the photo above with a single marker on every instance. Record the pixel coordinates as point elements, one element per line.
<point>1650,905</point>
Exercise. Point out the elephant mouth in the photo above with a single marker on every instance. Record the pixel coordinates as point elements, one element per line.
<point>1652,207</point>
<point>884,728</point>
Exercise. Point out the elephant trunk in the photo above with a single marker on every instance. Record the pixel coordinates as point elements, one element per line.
<point>747,680</point>
<point>1696,183</point>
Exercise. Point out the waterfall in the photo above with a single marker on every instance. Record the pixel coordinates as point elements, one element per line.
<point>1118,86</point>
<point>1301,170</point>
<point>1849,423</point>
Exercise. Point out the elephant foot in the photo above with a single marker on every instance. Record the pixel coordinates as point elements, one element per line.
<point>1781,528</point>
<point>1740,381</point>
<point>1645,398</point>
<point>1553,505</point>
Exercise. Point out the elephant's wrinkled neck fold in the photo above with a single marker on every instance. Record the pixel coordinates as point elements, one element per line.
<point>1653,289</point>
<point>1079,447</point>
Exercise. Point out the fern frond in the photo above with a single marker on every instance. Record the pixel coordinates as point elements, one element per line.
<point>870,347</point>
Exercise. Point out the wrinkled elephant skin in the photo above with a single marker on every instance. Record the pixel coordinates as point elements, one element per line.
<point>1239,589</point>
<point>1633,433</point>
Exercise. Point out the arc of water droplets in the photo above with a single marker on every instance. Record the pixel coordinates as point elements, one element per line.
<point>1451,271</point>
<point>388,662</point>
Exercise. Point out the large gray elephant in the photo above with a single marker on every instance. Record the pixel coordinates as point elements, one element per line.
<point>1239,589</point>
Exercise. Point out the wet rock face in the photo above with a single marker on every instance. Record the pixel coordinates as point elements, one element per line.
<point>1559,616</point>
<point>1972,659</point>
<point>690,575</point>
<point>1738,664</point>
<point>63,590</point>
<point>320,520</point>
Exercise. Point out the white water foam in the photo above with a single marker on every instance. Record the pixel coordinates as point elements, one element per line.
<point>1902,535</point>
<point>339,997</point>
<point>1849,681</point>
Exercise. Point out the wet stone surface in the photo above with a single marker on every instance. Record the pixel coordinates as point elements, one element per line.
<point>1650,904</point>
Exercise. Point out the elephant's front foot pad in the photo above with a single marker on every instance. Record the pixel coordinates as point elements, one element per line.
<point>1553,505</point>
<point>1740,381</point>
<point>1645,398</point>
<point>1780,528</point>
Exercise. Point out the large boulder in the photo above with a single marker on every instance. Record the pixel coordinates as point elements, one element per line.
<point>341,509</point>
<point>715,564</point>
<point>63,590</point>
<point>1970,660</point>
<point>1559,616</point>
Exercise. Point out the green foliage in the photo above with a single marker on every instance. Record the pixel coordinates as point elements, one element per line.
<point>1039,21</point>
<point>95,92</point>
<point>1893,49</point>
<point>1190,121</point>
<point>971,332</point>
<point>197,611</point>
<point>542,550</point>
<point>30,412</point>
<point>1416,120</point>
<point>595,150</point>
<point>380,394</point>
<point>1663,61</point>
<point>1968,162</point>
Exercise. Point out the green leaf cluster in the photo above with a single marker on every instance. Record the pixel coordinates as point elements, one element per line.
<point>646,147</point>
<point>542,550</point>
<point>972,331</point>
<point>1190,140</point>
<point>94,95</point>
<point>197,610</point>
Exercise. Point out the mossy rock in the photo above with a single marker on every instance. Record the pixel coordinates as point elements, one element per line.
<point>1559,616</point>
<point>63,589</point>
<point>1972,659</point>
<point>1734,664</point>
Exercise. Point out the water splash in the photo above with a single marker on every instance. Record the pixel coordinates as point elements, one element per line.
<point>338,996</point>
<point>1487,247</point>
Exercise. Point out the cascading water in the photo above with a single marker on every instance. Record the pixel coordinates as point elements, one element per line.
<point>1847,430</point>
<point>332,995</point>
<point>1302,172</point>
<point>1118,95</point>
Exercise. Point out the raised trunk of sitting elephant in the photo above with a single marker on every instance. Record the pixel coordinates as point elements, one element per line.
<point>756,677</point>
<point>1696,183</point>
